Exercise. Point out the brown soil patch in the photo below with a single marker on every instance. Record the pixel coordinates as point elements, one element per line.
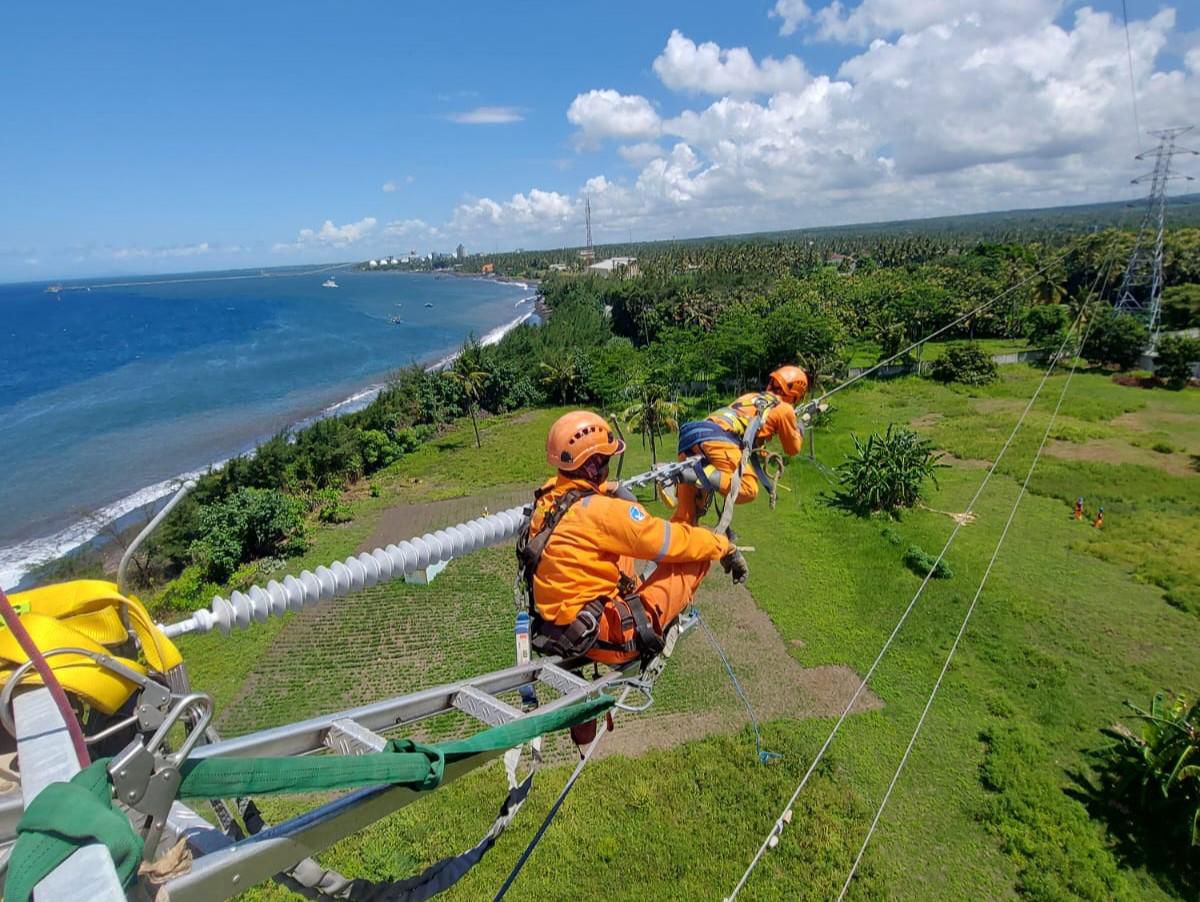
<point>775,682</point>
<point>965,463</point>
<point>1148,421</point>
<point>1115,451</point>
<point>408,520</point>
<point>925,421</point>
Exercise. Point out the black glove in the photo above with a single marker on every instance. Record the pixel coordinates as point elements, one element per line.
<point>735,565</point>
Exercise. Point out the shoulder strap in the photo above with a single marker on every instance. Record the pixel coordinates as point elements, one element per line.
<point>531,548</point>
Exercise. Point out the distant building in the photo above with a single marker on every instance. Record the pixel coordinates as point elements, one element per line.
<point>488,269</point>
<point>460,253</point>
<point>372,264</point>
<point>558,267</point>
<point>618,266</point>
<point>392,261</point>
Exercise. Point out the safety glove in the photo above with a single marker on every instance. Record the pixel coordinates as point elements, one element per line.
<point>734,563</point>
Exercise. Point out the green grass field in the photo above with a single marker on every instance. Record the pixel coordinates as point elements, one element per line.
<point>1073,622</point>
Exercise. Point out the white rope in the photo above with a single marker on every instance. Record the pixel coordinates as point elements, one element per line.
<point>785,816</point>
<point>966,619</point>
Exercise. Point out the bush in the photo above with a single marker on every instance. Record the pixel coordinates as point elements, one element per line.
<point>330,507</point>
<point>184,594</point>
<point>886,472</point>
<point>967,363</point>
<point>1163,448</point>
<point>1181,306</point>
<point>921,563</point>
<point>1116,339</point>
<point>1046,325</point>
<point>1176,355</point>
<point>252,523</point>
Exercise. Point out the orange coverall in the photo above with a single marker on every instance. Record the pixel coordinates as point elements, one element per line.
<point>601,537</point>
<point>723,457</point>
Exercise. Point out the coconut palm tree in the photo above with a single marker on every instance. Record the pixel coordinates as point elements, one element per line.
<point>651,412</point>
<point>469,373</point>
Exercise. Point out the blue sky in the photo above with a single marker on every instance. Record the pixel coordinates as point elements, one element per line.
<point>145,137</point>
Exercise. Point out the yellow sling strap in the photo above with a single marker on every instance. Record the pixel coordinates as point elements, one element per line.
<point>86,614</point>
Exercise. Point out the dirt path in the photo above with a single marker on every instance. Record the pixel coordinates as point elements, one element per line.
<point>408,520</point>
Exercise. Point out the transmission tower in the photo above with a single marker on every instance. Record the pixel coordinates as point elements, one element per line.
<point>1142,284</point>
<point>588,253</point>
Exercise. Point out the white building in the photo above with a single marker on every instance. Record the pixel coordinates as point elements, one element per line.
<point>615,266</point>
<point>372,264</point>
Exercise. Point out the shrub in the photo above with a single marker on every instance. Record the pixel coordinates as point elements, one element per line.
<point>1163,448</point>
<point>1176,355</point>
<point>1046,325</point>
<point>252,523</point>
<point>330,507</point>
<point>886,472</point>
<point>967,363</point>
<point>374,488</point>
<point>1115,338</point>
<point>184,594</point>
<point>921,563</point>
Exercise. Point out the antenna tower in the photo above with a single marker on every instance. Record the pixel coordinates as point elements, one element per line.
<point>1142,284</point>
<point>588,253</point>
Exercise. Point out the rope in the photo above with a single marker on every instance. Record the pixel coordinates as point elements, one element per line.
<point>937,332</point>
<point>781,821</point>
<point>962,629</point>
<point>49,680</point>
<point>562,796</point>
<point>763,755</point>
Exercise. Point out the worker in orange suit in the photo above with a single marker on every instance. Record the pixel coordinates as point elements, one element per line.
<point>1099,521</point>
<point>579,549</point>
<point>1079,508</point>
<point>719,439</point>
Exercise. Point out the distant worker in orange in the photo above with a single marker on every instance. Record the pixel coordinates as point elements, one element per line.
<point>1079,508</point>
<point>578,553</point>
<point>1099,521</point>
<point>719,439</point>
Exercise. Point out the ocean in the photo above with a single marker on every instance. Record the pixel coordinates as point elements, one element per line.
<point>111,390</point>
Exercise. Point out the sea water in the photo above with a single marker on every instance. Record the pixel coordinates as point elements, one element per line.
<point>110,390</point>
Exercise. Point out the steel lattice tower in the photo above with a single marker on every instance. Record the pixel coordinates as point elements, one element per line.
<point>1142,284</point>
<point>589,253</point>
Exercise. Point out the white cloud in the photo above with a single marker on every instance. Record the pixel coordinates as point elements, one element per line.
<point>707,68</point>
<point>330,235</point>
<point>176,250</point>
<point>880,18</point>
<point>609,114</point>
<point>389,186</point>
<point>793,12</point>
<point>641,152</point>
<point>952,109</point>
<point>411,228</point>
<point>488,115</point>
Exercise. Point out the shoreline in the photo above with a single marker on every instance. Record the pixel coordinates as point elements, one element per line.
<point>23,557</point>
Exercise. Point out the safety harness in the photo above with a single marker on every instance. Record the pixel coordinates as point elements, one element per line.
<point>581,635</point>
<point>729,425</point>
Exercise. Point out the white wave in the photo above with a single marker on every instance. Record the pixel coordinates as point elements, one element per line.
<point>17,560</point>
<point>491,338</point>
<point>524,286</point>
<point>526,300</point>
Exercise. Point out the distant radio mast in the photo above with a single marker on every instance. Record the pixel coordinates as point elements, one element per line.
<point>588,253</point>
<point>1142,284</point>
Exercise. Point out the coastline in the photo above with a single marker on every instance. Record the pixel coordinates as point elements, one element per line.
<point>19,560</point>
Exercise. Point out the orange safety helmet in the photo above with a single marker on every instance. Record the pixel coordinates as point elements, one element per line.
<point>578,436</point>
<point>789,382</point>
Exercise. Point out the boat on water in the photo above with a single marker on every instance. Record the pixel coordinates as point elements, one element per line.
<point>329,283</point>
<point>429,305</point>
<point>396,320</point>
<point>53,289</point>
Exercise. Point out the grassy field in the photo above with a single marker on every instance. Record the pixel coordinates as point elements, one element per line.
<point>1073,622</point>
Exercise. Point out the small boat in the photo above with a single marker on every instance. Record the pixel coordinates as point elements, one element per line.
<point>429,305</point>
<point>396,320</point>
<point>53,289</point>
<point>329,283</point>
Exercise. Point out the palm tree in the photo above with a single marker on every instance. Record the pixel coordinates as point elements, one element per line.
<point>562,375</point>
<point>651,413</point>
<point>469,373</point>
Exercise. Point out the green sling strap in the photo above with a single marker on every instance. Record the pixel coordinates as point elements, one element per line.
<point>67,816</point>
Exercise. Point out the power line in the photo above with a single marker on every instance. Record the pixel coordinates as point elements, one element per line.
<point>781,821</point>
<point>937,332</point>
<point>1137,128</point>
<point>966,619</point>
